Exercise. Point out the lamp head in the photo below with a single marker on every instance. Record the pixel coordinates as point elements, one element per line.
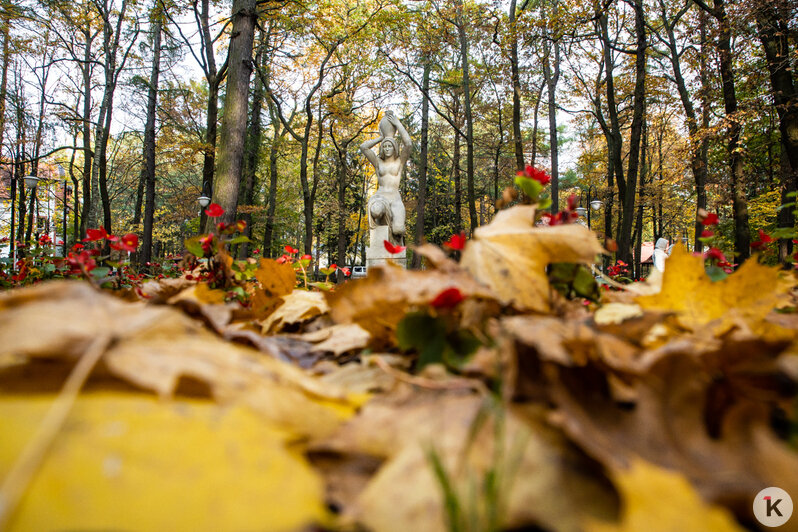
<point>31,181</point>
<point>204,201</point>
<point>596,204</point>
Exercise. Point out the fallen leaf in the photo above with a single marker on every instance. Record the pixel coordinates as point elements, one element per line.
<point>510,255</point>
<point>129,461</point>
<point>658,500</point>
<point>752,291</point>
<point>404,429</point>
<point>338,339</point>
<point>156,347</point>
<point>276,279</point>
<point>380,301</point>
<point>707,419</point>
<point>298,306</point>
<point>159,291</point>
<point>616,313</point>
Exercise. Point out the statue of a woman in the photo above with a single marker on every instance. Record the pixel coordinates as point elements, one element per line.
<point>385,207</point>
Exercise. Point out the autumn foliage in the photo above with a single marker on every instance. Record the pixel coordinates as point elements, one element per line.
<point>474,391</point>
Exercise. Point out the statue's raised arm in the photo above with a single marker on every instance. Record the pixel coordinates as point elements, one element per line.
<point>368,152</point>
<point>407,143</point>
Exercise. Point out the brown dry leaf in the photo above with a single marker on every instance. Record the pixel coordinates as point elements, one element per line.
<point>659,500</point>
<point>156,348</point>
<point>276,279</point>
<point>531,465</point>
<point>298,306</point>
<point>378,302</point>
<point>436,258</point>
<point>338,339</point>
<point>752,292</point>
<point>570,343</point>
<point>206,303</point>
<point>159,291</point>
<point>707,417</point>
<point>629,322</point>
<point>364,376</point>
<point>510,255</point>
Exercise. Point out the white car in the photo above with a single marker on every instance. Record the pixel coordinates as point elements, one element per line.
<point>358,272</point>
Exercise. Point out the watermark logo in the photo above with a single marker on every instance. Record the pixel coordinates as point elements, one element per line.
<point>772,506</point>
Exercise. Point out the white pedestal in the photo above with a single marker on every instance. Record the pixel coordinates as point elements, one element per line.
<point>376,252</point>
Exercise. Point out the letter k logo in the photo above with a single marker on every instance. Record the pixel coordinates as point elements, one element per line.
<point>772,506</point>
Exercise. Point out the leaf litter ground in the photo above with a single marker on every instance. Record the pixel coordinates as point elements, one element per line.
<point>665,408</point>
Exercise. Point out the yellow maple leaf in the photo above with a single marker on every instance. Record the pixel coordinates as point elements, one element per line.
<point>749,293</point>
<point>276,279</point>
<point>658,500</point>
<point>131,461</point>
<point>510,255</point>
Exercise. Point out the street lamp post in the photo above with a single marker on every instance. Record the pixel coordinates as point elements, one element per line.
<point>593,203</point>
<point>31,181</point>
<point>62,175</point>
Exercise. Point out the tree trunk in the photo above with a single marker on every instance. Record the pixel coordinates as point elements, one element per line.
<point>638,112</point>
<point>551,79</point>
<point>697,145</point>
<point>234,120</point>
<point>612,133</point>
<point>773,32</point>
<point>422,170</point>
<point>268,231</point>
<point>464,56</point>
<point>88,155</point>
<point>458,201</point>
<point>742,235</point>
<point>145,253</point>
<point>252,154</point>
<point>4,79</point>
<point>214,78</point>
<point>535,118</point>
<point>518,141</point>
<point>100,201</point>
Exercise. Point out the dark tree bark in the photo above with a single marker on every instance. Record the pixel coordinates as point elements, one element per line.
<point>638,112</point>
<point>148,172</point>
<point>535,118</point>
<point>112,35</point>
<point>469,118</point>
<point>458,195</point>
<point>234,120</point>
<point>742,233</point>
<point>214,75</point>
<point>518,142</point>
<point>423,162</point>
<point>88,154</point>
<point>698,162</point>
<point>252,152</point>
<point>551,78</point>
<point>774,34</point>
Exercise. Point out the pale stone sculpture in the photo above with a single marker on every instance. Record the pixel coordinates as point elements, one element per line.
<point>385,208</point>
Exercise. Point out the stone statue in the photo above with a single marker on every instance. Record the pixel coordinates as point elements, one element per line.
<point>385,207</point>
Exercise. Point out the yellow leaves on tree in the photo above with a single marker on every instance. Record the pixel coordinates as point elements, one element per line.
<point>510,255</point>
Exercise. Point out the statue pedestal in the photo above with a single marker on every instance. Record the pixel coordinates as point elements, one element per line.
<point>376,252</point>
